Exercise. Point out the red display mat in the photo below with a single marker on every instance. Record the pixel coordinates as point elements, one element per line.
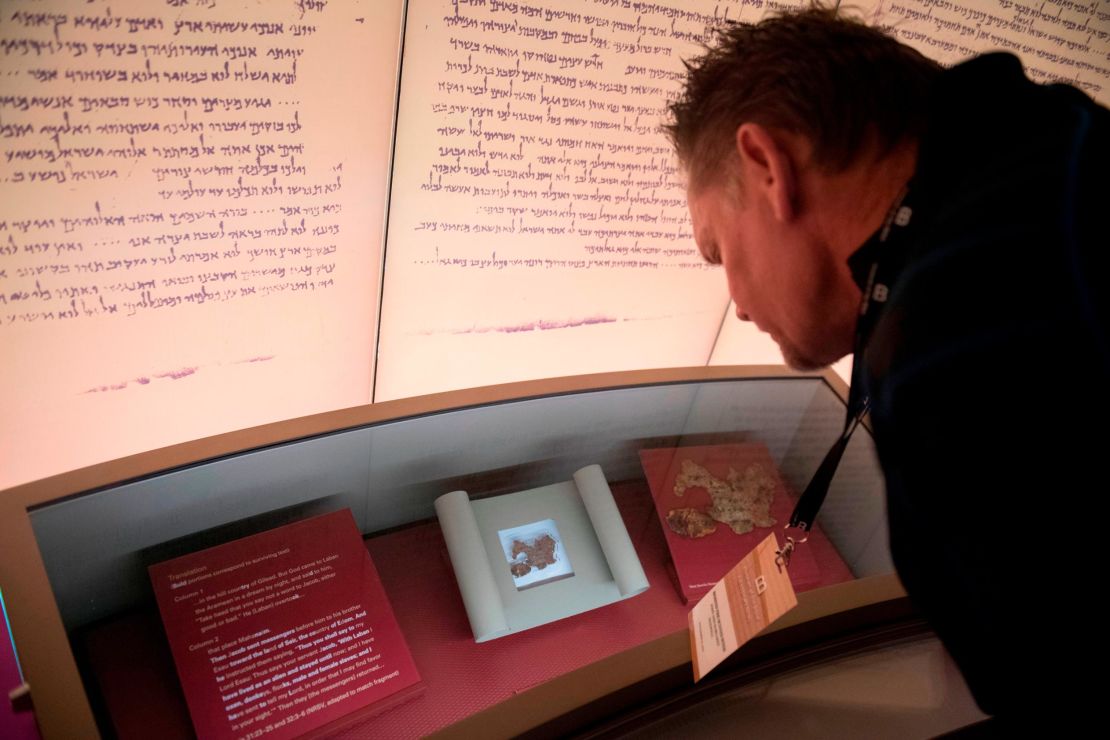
<point>269,632</point>
<point>699,563</point>
<point>461,677</point>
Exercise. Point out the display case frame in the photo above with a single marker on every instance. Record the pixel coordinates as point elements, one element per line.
<point>41,633</point>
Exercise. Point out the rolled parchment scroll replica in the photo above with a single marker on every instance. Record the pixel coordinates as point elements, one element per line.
<point>532,557</point>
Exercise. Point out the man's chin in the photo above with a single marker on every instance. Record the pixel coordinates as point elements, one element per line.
<point>796,360</point>
<point>804,366</point>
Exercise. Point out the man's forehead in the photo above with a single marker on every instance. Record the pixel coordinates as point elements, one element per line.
<point>696,206</point>
<point>705,201</point>
<point>701,222</point>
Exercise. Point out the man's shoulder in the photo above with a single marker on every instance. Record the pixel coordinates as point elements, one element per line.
<point>1010,164</point>
<point>997,79</point>
<point>987,119</point>
<point>1007,252</point>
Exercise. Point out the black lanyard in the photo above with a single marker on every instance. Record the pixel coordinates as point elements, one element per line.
<point>887,259</point>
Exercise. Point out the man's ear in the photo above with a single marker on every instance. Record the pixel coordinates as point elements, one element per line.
<point>767,166</point>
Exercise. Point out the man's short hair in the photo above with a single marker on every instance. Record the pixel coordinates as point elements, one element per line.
<point>845,86</point>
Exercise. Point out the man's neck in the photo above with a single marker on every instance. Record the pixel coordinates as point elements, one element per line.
<point>850,206</point>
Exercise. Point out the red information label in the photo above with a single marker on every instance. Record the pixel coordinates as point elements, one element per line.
<point>283,632</point>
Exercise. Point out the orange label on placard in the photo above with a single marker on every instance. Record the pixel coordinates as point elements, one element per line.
<point>751,596</point>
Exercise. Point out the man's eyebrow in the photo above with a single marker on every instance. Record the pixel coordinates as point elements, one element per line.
<point>711,253</point>
<point>707,247</point>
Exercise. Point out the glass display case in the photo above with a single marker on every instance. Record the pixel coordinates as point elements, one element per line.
<point>76,547</point>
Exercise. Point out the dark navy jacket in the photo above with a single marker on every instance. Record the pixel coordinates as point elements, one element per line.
<point>989,371</point>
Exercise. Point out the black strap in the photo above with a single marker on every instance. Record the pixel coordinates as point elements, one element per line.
<point>818,488</point>
<point>875,292</point>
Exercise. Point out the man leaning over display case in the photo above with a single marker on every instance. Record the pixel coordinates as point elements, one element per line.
<point>944,225</point>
